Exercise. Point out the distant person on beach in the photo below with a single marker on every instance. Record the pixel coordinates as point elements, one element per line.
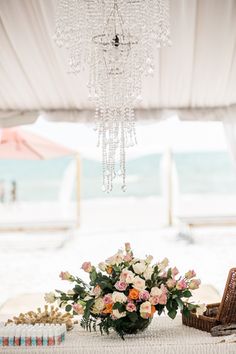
<point>13,191</point>
<point>2,192</point>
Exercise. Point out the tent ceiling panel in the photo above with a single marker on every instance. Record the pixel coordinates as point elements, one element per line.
<point>197,71</point>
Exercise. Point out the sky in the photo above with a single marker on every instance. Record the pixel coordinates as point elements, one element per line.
<point>152,137</point>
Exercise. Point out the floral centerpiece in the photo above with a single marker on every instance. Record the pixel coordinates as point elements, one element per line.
<point>125,292</point>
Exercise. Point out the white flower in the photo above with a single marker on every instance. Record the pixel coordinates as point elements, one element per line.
<point>148,273</point>
<point>149,259</point>
<point>87,297</point>
<point>118,314</point>
<point>98,306</point>
<point>118,297</point>
<point>155,291</point>
<point>139,283</point>
<point>135,260</point>
<point>163,264</point>
<point>200,309</point>
<point>70,292</point>
<point>50,297</point>
<point>139,267</point>
<point>102,266</point>
<point>145,309</point>
<point>116,259</point>
<point>127,276</point>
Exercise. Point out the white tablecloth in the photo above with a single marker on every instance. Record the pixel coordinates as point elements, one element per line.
<point>163,336</point>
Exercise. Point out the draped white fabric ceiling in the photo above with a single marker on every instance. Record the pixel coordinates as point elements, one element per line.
<point>196,76</point>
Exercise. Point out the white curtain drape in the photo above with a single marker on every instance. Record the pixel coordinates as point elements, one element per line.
<point>196,76</point>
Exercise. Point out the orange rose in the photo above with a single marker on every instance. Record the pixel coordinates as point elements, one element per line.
<point>153,310</point>
<point>108,309</point>
<point>133,294</point>
<point>109,270</point>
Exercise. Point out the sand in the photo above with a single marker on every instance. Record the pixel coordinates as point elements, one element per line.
<point>31,262</point>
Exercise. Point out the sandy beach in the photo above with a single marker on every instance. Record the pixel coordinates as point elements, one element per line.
<point>31,261</point>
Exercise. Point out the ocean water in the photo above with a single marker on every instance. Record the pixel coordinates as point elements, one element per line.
<point>198,173</point>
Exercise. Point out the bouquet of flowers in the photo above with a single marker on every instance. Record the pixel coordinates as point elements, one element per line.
<point>125,292</point>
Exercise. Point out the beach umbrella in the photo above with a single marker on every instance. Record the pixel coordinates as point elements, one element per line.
<point>19,144</point>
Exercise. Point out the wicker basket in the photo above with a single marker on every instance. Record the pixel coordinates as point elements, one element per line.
<point>221,313</point>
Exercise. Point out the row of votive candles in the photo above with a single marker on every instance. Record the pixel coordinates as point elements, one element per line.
<point>32,335</point>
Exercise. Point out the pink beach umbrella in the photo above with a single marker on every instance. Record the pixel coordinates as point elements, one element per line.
<point>19,144</point>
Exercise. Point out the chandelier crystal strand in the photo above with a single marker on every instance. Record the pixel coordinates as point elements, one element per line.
<point>116,41</point>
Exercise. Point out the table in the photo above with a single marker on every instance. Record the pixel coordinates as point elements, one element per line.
<point>163,336</point>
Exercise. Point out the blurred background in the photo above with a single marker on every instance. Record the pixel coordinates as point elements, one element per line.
<point>180,203</point>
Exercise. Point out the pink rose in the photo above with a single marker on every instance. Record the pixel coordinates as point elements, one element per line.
<point>154,300</point>
<point>130,307</point>
<point>164,289</point>
<point>194,284</point>
<point>163,299</point>
<point>121,285</point>
<point>97,291</point>
<point>127,276</point>
<point>87,267</point>
<point>65,275</point>
<point>171,283</point>
<point>181,285</point>
<point>174,271</point>
<point>107,299</point>
<point>144,295</point>
<point>78,308</point>
<point>128,257</point>
<point>158,295</point>
<point>190,274</point>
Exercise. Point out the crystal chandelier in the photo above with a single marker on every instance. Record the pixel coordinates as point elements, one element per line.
<point>116,41</point>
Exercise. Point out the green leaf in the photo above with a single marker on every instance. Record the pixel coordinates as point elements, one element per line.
<point>180,303</point>
<point>172,314</point>
<point>133,316</point>
<point>186,293</point>
<point>68,308</point>
<point>89,304</point>
<point>106,285</point>
<point>186,311</point>
<point>169,305</point>
<point>169,273</point>
<point>192,306</point>
<point>119,306</point>
<point>116,268</point>
<point>78,289</point>
<point>81,282</point>
<point>159,311</point>
<point>93,275</point>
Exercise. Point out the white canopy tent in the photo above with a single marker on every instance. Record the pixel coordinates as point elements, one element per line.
<point>196,76</point>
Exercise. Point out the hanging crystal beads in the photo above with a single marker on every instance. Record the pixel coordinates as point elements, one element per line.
<point>116,40</point>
